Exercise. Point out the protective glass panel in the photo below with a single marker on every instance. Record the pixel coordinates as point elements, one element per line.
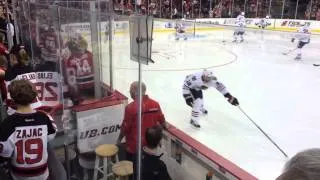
<point>69,47</point>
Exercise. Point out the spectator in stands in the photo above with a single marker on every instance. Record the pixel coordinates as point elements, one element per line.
<point>152,166</point>
<point>19,62</point>
<point>25,134</point>
<point>303,166</point>
<point>3,48</point>
<point>151,116</point>
<point>3,68</point>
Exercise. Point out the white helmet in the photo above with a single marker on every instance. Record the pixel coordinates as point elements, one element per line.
<point>242,13</point>
<point>267,17</point>
<point>208,76</point>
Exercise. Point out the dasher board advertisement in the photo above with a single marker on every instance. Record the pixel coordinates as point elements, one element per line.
<point>98,126</point>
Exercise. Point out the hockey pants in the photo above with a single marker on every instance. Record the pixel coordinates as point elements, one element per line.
<point>299,48</point>
<point>194,98</point>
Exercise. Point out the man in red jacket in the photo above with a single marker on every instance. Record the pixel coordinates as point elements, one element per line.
<point>151,116</point>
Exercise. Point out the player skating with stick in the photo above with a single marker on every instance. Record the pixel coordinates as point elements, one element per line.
<point>303,36</point>
<point>192,93</point>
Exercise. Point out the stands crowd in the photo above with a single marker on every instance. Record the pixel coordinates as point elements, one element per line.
<point>219,8</point>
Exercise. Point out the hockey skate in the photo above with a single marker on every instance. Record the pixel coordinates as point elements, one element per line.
<point>234,41</point>
<point>241,40</point>
<point>185,38</point>
<point>195,123</point>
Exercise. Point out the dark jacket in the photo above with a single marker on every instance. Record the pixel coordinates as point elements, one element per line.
<point>13,72</point>
<point>153,168</point>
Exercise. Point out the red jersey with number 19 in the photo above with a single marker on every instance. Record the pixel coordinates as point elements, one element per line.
<point>23,139</point>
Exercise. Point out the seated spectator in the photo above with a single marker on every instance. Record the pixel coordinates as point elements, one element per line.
<point>19,62</point>
<point>303,166</point>
<point>25,134</point>
<point>152,166</point>
<point>3,49</point>
<point>3,68</point>
<point>151,116</point>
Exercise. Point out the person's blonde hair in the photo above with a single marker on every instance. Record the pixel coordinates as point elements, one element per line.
<point>304,165</point>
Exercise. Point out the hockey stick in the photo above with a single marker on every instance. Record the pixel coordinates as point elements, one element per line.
<point>316,64</point>
<point>288,52</point>
<point>263,132</point>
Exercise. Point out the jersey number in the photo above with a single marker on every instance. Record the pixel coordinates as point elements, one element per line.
<point>84,69</point>
<point>48,87</point>
<point>29,147</point>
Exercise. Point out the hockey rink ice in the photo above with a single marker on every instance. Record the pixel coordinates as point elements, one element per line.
<point>277,92</point>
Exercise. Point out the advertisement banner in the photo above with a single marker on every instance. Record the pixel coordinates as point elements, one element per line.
<point>98,126</point>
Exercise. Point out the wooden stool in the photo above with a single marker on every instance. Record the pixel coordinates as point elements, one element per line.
<point>123,170</point>
<point>105,152</point>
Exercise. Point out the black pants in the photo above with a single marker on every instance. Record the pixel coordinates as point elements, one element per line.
<point>132,157</point>
<point>195,95</point>
<point>301,44</point>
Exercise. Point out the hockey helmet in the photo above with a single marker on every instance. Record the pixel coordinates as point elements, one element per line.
<point>83,44</point>
<point>304,28</point>
<point>267,17</point>
<point>242,13</point>
<point>208,76</point>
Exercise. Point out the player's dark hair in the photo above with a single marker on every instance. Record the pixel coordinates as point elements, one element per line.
<point>153,136</point>
<point>22,92</point>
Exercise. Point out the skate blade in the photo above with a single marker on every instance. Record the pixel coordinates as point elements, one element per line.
<point>194,124</point>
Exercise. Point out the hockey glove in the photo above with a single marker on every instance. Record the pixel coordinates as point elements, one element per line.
<point>204,87</point>
<point>292,40</point>
<point>189,99</point>
<point>232,100</point>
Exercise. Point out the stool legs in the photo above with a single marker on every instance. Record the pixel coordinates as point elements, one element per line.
<point>96,168</point>
<point>106,162</point>
<point>105,168</point>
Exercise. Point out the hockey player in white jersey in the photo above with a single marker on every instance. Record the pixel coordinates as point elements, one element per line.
<point>240,25</point>
<point>264,22</point>
<point>180,30</point>
<point>192,93</point>
<point>303,36</point>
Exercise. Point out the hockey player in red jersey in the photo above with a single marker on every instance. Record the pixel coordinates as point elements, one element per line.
<point>24,135</point>
<point>50,49</point>
<point>79,71</point>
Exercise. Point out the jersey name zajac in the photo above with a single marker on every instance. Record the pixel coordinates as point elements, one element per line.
<point>23,139</point>
<point>194,81</point>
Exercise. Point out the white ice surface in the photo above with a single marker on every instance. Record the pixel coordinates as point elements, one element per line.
<point>280,94</point>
